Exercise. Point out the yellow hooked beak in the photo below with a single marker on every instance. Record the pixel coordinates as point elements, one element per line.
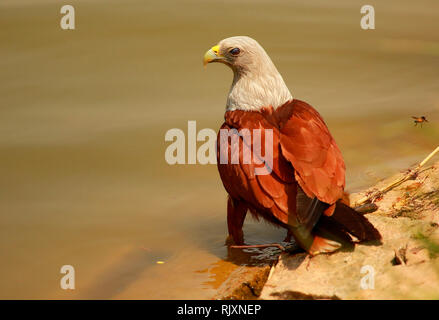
<point>212,55</point>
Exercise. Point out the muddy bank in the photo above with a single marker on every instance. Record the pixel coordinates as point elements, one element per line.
<point>404,266</point>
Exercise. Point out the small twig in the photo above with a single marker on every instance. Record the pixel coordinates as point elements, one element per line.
<point>429,157</point>
<point>278,245</point>
<point>409,175</point>
<point>248,285</point>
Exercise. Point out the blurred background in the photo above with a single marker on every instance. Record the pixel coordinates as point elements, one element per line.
<point>83,115</point>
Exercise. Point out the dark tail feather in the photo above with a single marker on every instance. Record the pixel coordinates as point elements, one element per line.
<point>328,228</point>
<point>355,223</point>
<point>313,213</point>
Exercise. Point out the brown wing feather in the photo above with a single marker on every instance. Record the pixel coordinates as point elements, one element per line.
<point>307,143</point>
<point>273,193</point>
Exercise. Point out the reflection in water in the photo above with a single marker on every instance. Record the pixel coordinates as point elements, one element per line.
<point>83,116</point>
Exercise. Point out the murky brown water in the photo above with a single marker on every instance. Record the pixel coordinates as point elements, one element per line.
<point>83,114</point>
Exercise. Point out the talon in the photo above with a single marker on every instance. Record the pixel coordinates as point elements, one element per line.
<point>278,245</point>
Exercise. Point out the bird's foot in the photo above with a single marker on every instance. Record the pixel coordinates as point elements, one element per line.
<point>238,239</point>
<point>288,236</point>
<point>293,248</point>
<point>278,245</point>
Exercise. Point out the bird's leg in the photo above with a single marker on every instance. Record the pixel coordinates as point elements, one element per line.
<point>288,236</point>
<point>236,212</point>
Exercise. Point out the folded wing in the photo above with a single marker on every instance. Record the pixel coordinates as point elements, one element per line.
<point>307,143</point>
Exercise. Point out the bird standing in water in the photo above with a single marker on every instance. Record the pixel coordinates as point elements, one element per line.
<point>305,182</point>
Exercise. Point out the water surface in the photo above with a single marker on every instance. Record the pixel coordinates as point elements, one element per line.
<point>83,116</point>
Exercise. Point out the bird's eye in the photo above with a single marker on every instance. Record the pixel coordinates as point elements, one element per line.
<point>235,51</point>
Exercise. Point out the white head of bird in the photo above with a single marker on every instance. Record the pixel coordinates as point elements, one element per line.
<point>256,81</point>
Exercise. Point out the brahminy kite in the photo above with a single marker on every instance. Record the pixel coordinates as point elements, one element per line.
<point>303,189</point>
